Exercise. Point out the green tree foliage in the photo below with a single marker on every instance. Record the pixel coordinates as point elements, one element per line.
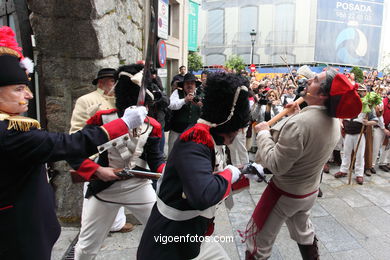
<point>235,62</point>
<point>194,61</point>
<point>358,74</point>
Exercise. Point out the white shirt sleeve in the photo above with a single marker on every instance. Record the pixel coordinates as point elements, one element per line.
<point>175,102</point>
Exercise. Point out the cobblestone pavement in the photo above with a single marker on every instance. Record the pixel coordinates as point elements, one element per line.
<point>351,222</point>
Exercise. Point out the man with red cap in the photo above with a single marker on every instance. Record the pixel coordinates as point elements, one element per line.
<point>295,150</point>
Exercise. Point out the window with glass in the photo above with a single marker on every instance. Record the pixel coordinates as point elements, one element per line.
<point>248,22</point>
<point>215,59</point>
<point>215,27</point>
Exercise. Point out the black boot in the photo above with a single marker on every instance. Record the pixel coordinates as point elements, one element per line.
<point>319,195</point>
<point>337,157</point>
<point>309,252</point>
<point>248,255</point>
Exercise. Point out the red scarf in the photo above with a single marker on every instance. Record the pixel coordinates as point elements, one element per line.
<point>267,202</point>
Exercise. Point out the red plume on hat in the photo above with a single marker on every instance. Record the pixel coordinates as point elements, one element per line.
<point>8,44</point>
<point>345,101</point>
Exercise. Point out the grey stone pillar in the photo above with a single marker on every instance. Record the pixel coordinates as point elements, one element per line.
<point>74,40</point>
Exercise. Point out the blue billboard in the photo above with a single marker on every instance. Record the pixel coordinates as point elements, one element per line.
<point>348,32</point>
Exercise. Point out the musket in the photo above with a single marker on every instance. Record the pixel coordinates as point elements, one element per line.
<point>124,173</point>
<point>250,169</point>
<point>150,54</point>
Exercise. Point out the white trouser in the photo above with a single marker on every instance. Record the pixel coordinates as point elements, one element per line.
<point>238,153</point>
<point>295,213</point>
<point>97,216</point>
<point>350,142</point>
<point>378,137</point>
<point>212,251</point>
<point>120,219</point>
<point>385,156</point>
<point>339,145</point>
<point>173,136</point>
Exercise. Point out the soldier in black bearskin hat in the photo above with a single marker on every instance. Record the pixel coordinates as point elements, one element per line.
<point>138,150</point>
<point>190,189</point>
<point>28,223</point>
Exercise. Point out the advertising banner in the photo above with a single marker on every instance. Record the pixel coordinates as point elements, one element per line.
<point>349,32</point>
<point>193,26</point>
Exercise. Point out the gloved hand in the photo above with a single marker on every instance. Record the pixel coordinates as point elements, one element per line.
<point>235,172</point>
<point>134,116</point>
<point>251,169</point>
<point>259,168</point>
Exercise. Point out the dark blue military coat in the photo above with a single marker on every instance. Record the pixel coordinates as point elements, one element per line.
<point>28,223</point>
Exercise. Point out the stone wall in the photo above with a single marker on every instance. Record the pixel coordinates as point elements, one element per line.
<point>74,40</point>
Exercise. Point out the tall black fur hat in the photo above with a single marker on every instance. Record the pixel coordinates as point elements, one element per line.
<point>218,103</point>
<point>126,91</point>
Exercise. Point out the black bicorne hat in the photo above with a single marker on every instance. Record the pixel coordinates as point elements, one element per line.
<point>11,72</point>
<point>104,73</point>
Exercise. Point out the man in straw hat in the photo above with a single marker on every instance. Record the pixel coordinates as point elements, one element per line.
<point>189,190</point>
<point>295,150</point>
<point>28,222</point>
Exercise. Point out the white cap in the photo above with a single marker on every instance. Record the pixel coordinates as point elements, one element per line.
<point>306,72</point>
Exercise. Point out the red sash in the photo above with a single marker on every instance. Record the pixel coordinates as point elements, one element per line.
<point>267,202</point>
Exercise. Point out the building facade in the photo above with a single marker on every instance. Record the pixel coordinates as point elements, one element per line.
<point>293,30</point>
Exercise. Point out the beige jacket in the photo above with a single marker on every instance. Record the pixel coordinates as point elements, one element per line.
<point>87,105</point>
<point>299,147</point>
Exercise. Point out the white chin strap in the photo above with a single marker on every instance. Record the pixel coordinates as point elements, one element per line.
<point>202,121</point>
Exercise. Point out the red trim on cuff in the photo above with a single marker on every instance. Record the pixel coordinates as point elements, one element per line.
<point>116,128</point>
<point>161,168</point>
<point>7,207</point>
<point>227,175</point>
<point>242,183</point>
<point>87,169</point>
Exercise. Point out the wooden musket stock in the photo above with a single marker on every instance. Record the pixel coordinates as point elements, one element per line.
<point>285,111</point>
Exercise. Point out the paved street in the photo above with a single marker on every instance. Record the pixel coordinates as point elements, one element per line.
<point>351,222</point>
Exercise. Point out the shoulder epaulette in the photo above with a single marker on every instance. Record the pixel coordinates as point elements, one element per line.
<point>96,119</point>
<point>20,123</point>
<point>200,134</point>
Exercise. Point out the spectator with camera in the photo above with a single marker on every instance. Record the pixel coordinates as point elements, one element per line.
<point>267,105</point>
<point>289,96</point>
<point>185,106</point>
